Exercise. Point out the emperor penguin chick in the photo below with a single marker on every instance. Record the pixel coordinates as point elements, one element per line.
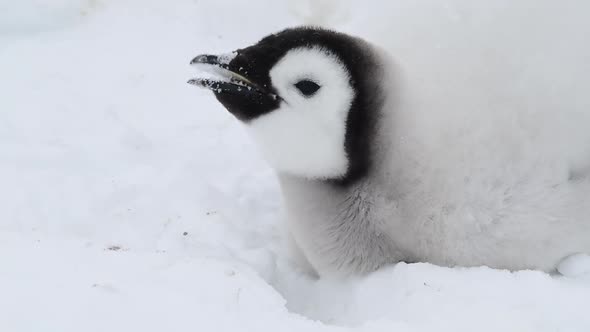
<point>361,191</point>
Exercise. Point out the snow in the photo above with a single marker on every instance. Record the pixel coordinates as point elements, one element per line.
<point>575,265</point>
<point>131,201</point>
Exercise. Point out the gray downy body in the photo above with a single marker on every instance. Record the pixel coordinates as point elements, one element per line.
<point>452,181</point>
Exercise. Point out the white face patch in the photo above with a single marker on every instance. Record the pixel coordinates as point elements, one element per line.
<point>305,135</point>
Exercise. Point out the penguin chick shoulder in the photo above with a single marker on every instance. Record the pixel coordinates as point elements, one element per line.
<point>325,110</point>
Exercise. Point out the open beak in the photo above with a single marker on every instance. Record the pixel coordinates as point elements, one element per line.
<point>240,95</point>
<point>226,81</point>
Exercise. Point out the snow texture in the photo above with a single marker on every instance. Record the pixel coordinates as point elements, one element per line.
<point>132,201</point>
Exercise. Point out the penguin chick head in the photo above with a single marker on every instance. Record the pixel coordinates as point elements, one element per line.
<point>308,96</point>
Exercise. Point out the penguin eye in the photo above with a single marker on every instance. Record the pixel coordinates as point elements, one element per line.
<point>307,88</point>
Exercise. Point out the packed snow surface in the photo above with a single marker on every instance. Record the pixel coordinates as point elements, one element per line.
<point>132,201</point>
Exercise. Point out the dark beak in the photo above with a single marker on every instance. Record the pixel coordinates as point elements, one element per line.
<point>227,81</point>
<point>241,96</point>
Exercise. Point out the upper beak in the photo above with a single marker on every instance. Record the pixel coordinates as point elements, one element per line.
<point>227,80</point>
<point>219,60</point>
